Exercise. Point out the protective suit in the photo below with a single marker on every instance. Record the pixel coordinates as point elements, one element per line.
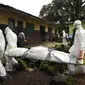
<point>64,38</point>
<point>11,38</point>
<point>2,46</point>
<point>78,48</point>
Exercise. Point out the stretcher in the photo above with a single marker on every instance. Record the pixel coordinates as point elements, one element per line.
<point>41,53</point>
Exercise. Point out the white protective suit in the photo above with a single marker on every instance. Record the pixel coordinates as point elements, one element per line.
<point>78,47</point>
<point>64,38</point>
<point>11,43</point>
<point>2,46</point>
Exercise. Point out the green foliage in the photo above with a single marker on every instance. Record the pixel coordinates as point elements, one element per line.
<point>54,68</point>
<point>63,10</point>
<point>70,80</point>
<point>46,44</point>
<point>62,48</point>
<point>22,64</point>
<point>48,66</point>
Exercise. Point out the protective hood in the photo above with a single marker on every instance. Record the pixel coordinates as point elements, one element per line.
<point>7,29</point>
<point>77,24</point>
<point>63,31</point>
<point>64,34</point>
<point>21,33</point>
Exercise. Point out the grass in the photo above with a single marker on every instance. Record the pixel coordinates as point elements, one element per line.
<point>46,44</point>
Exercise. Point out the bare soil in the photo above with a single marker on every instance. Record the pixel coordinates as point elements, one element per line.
<point>80,80</point>
<point>35,77</point>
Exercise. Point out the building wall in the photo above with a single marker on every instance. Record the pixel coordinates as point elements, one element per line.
<point>35,36</point>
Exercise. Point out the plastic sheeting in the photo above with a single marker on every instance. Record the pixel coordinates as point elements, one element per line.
<point>15,52</point>
<point>41,53</point>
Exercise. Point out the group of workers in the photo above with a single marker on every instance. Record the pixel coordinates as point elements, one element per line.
<point>76,50</point>
<point>11,39</point>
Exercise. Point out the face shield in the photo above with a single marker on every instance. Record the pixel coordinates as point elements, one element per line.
<point>77,24</point>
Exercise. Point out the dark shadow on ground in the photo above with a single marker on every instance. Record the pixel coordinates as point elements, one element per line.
<point>35,77</point>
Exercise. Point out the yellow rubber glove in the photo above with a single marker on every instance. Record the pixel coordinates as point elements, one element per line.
<point>11,46</point>
<point>25,41</point>
<point>83,61</point>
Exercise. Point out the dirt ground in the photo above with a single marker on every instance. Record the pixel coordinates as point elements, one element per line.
<point>80,80</point>
<point>35,77</point>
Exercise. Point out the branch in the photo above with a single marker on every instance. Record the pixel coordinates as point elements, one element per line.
<point>70,4</point>
<point>83,2</point>
<point>82,8</point>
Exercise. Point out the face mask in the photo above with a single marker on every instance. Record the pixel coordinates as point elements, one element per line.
<point>77,26</point>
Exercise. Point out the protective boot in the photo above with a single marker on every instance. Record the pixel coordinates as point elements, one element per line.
<point>5,78</point>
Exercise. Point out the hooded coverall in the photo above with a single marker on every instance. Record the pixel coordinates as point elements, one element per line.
<point>2,46</point>
<point>11,43</point>
<point>77,49</point>
<point>64,38</point>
